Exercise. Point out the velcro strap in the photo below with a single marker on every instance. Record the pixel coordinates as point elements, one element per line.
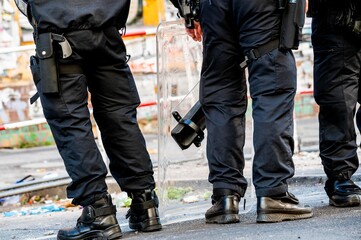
<point>105,211</point>
<point>143,206</point>
<point>89,213</point>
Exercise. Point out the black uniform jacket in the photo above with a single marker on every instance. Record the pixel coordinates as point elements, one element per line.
<point>69,15</point>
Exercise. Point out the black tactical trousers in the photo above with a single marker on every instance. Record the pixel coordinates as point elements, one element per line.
<point>337,59</point>
<point>230,28</point>
<point>114,98</point>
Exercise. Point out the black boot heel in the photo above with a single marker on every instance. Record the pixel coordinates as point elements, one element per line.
<point>143,213</point>
<point>113,232</point>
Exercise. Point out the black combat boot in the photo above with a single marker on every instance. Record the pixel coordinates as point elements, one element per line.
<point>97,221</point>
<point>342,193</point>
<point>143,213</point>
<point>224,207</point>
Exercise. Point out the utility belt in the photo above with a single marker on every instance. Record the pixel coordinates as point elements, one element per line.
<point>293,19</point>
<point>45,67</point>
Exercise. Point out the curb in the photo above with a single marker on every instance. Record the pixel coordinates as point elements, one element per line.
<point>58,187</point>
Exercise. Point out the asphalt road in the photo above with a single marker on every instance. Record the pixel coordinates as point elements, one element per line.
<point>185,221</point>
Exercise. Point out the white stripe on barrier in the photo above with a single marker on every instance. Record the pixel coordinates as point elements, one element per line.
<point>17,49</point>
<point>43,120</point>
<point>22,124</point>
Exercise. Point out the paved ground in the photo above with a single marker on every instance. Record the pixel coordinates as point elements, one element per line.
<point>186,221</point>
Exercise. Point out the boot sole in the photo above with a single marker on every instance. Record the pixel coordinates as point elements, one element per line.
<point>111,233</point>
<point>224,219</point>
<point>352,201</point>
<point>149,225</point>
<point>280,217</point>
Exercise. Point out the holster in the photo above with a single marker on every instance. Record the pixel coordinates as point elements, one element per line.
<point>293,19</point>
<point>48,68</point>
<point>35,71</point>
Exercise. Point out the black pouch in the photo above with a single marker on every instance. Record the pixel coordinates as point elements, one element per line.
<point>293,20</point>
<point>47,64</point>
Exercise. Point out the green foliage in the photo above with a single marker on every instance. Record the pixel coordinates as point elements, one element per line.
<point>177,193</point>
<point>31,140</point>
<point>127,202</point>
<point>207,195</point>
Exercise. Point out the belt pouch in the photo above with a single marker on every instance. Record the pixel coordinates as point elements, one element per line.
<point>47,64</point>
<point>292,23</point>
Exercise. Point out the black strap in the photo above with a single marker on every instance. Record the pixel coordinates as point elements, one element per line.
<point>70,69</point>
<point>105,211</point>
<point>256,53</point>
<point>144,205</point>
<point>192,125</point>
<point>34,98</point>
<point>90,213</point>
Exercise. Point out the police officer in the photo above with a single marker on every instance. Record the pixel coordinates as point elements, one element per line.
<point>79,48</point>
<point>336,40</point>
<point>233,29</point>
